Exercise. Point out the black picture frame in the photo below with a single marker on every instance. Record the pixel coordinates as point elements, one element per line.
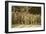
<point>6,16</point>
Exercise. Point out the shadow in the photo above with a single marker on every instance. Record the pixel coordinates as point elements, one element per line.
<point>10,33</point>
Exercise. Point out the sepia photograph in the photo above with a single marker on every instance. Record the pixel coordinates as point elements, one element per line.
<point>24,16</point>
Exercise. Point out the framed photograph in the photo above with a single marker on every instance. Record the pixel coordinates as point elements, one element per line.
<point>24,16</point>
